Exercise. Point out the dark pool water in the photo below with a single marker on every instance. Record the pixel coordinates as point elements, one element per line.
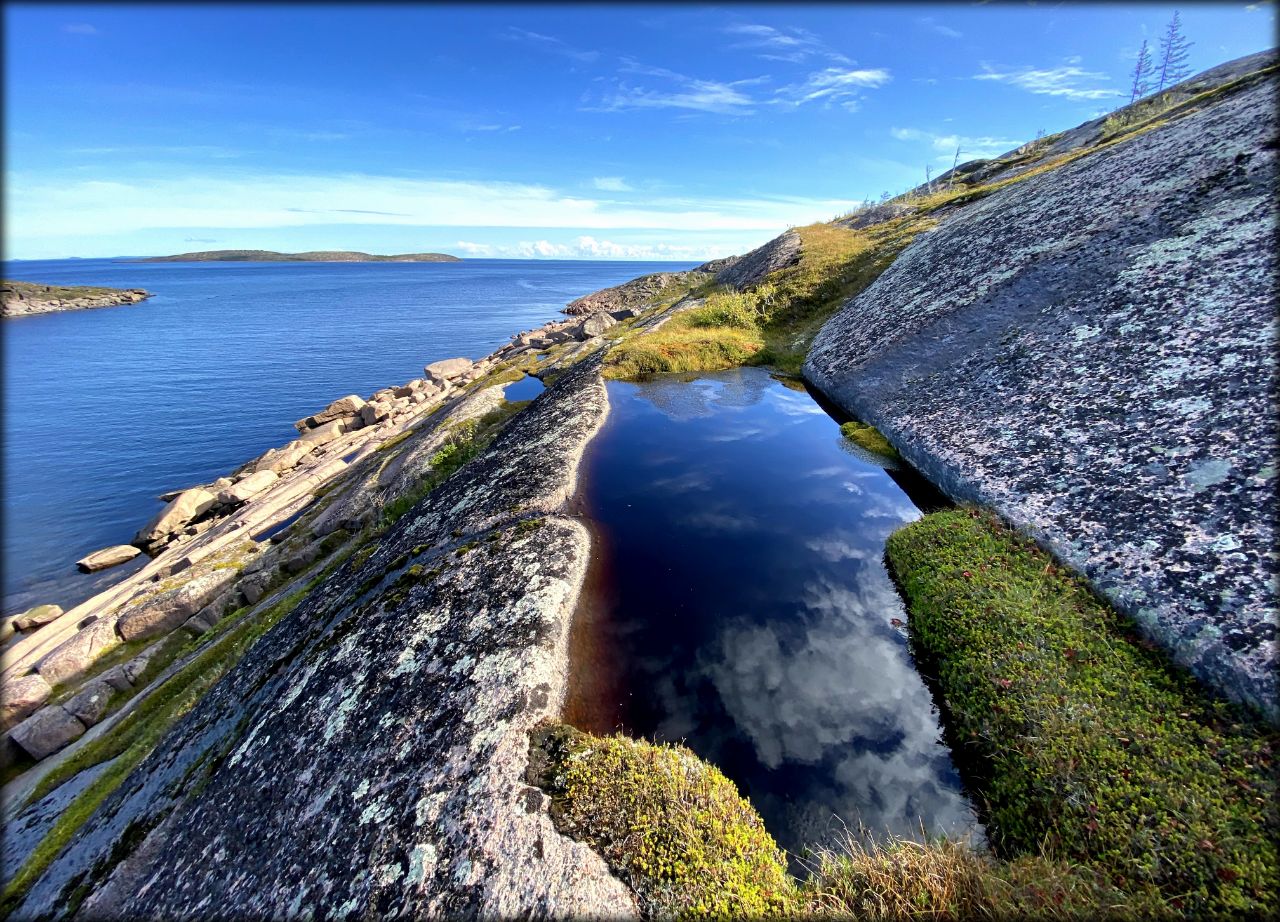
<point>739,602</point>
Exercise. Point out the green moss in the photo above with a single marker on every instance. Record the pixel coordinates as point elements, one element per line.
<point>870,439</point>
<point>1090,747</point>
<point>669,825</point>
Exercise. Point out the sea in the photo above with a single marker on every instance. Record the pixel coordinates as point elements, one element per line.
<point>104,409</point>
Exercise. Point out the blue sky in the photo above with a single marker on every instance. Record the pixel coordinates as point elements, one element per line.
<point>622,131</point>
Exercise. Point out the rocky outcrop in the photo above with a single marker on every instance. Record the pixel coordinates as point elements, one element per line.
<point>370,755</point>
<point>1090,351</point>
<point>753,268</point>
<point>637,293</point>
<point>20,299</point>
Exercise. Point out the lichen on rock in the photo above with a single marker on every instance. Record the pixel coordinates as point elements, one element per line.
<point>1090,351</point>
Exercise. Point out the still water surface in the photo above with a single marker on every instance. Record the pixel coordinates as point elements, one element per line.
<point>104,409</point>
<point>740,603</point>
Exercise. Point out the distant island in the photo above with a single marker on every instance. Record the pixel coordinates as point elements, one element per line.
<point>314,256</point>
<point>21,299</point>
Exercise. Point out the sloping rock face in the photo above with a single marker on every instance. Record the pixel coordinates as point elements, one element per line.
<point>366,759</point>
<point>751,269</point>
<point>1091,352</point>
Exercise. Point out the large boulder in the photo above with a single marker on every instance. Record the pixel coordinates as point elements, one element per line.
<point>446,370</point>
<point>91,703</point>
<point>1091,351</point>
<point>345,406</point>
<point>175,516</point>
<point>596,324</point>
<point>37,617</point>
<point>107,557</point>
<point>280,460</point>
<point>22,696</point>
<point>327,432</point>
<point>46,731</point>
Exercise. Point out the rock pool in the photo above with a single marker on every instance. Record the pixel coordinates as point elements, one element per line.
<point>739,602</point>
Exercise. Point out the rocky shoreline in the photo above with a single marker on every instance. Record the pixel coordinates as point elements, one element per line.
<point>22,299</point>
<point>206,541</point>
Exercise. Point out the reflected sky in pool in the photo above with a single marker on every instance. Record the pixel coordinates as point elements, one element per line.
<point>739,602</point>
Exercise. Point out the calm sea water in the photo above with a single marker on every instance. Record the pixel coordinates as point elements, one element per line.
<point>104,409</point>
<point>740,603</point>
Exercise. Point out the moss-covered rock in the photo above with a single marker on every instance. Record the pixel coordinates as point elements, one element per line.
<point>670,825</point>
<point>869,438</point>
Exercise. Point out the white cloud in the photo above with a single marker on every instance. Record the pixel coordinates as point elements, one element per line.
<point>834,85</point>
<point>928,22</point>
<point>1070,81</point>
<point>611,184</point>
<point>474,249</point>
<point>80,28</point>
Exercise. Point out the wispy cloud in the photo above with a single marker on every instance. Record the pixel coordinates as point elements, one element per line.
<point>1069,80</point>
<point>551,43</point>
<point>834,85</point>
<point>611,184</point>
<point>688,93</point>
<point>791,44</point>
<point>932,24</point>
<point>80,28</point>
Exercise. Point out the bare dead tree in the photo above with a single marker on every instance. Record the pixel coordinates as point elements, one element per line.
<point>1173,55</point>
<point>1141,74</point>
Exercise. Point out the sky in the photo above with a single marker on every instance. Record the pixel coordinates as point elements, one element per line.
<point>622,131</point>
